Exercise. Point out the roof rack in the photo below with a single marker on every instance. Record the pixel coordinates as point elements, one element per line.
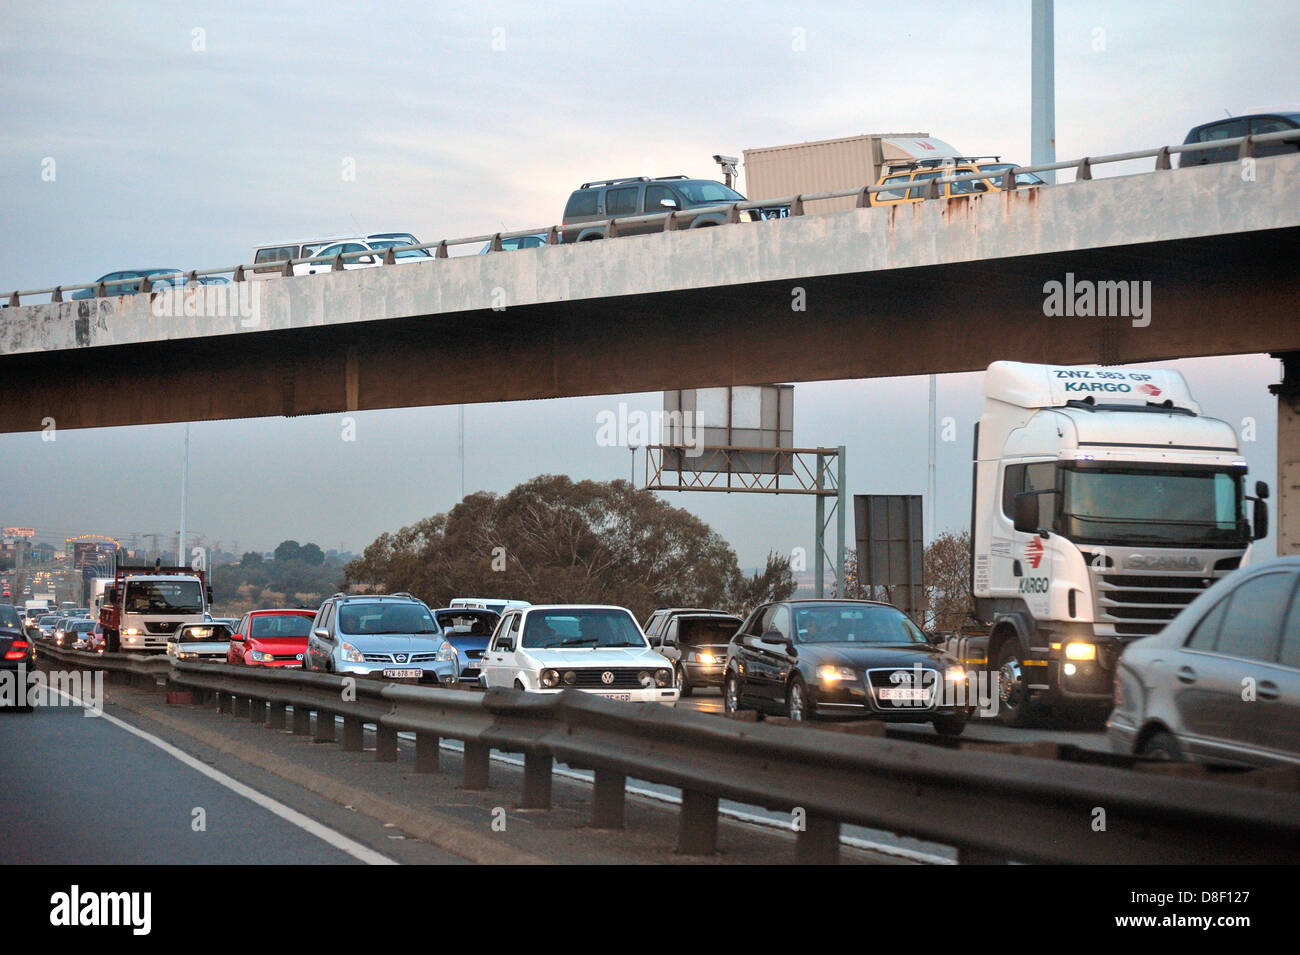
<point>678,176</point>
<point>937,161</point>
<point>613,182</point>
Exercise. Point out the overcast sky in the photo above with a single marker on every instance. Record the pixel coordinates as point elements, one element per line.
<point>184,134</point>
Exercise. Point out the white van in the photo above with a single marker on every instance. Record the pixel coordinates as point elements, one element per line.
<point>496,605</point>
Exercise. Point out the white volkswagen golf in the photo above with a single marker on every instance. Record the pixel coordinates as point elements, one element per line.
<point>600,650</point>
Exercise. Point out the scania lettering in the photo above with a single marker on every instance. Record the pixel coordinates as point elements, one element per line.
<point>1103,503</point>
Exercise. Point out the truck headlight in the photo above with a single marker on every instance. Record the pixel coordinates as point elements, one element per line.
<point>447,652</point>
<point>550,678</point>
<point>834,674</point>
<point>132,631</point>
<point>351,654</point>
<point>1080,651</point>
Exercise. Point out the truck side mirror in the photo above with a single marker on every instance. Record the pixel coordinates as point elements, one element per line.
<point>1025,513</point>
<point>1259,520</point>
<point>1261,490</point>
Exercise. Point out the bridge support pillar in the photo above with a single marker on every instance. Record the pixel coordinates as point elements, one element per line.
<point>818,843</point>
<point>385,743</point>
<point>301,721</point>
<point>426,753</point>
<point>537,781</point>
<point>608,800</point>
<point>1287,507</point>
<point>354,734</point>
<point>324,727</point>
<point>276,720</point>
<point>697,827</point>
<point>478,758</point>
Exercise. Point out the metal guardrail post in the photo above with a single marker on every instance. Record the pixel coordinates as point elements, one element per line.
<point>477,765</point>
<point>224,702</point>
<point>256,710</point>
<point>354,734</point>
<point>608,799</point>
<point>276,720</point>
<point>241,707</point>
<point>385,743</point>
<point>426,753</point>
<point>1162,158</point>
<point>818,843</point>
<point>301,721</point>
<point>537,781</point>
<point>324,726</point>
<point>697,827</point>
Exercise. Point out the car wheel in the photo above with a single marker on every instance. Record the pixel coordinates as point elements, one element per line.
<point>797,705</point>
<point>684,687</point>
<point>1162,746</point>
<point>950,725</point>
<point>731,694</point>
<point>1013,688</point>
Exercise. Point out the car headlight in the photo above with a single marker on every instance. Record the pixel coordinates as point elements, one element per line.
<point>707,658</point>
<point>447,652</point>
<point>550,678</point>
<point>1080,651</point>
<point>955,674</point>
<point>663,677</point>
<point>570,677</point>
<point>351,654</point>
<point>835,674</point>
<point>260,656</point>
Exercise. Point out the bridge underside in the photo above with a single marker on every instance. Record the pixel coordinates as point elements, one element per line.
<point>1227,294</point>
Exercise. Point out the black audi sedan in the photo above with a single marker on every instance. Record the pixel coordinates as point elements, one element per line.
<point>810,659</point>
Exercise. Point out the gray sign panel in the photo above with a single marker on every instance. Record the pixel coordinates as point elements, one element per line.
<point>891,549</point>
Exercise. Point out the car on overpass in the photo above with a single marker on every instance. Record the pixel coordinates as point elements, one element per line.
<point>514,243</point>
<point>643,196</point>
<point>466,633</point>
<point>17,657</point>
<point>806,659</point>
<point>1234,127</point>
<point>1221,683</point>
<point>380,636</point>
<point>594,648</point>
<point>911,179</point>
<point>364,254</point>
<point>270,638</point>
<point>123,287</point>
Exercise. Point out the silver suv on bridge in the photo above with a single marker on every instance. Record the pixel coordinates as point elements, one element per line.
<point>386,637</point>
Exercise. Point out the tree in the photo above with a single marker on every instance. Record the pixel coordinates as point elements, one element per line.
<point>774,582</point>
<point>947,581</point>
<point>288,550</point>
<point>551,540</point>
<point>250,559</point>
<point>312,554</point>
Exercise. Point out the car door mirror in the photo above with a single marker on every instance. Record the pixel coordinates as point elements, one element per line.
<point>320,633</point>
<point>367,260</point>
<point>668,203</point>
<point>506,645</point>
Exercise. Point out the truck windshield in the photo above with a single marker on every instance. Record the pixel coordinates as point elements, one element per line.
<point>163,596</point>
<point>1136,506</point>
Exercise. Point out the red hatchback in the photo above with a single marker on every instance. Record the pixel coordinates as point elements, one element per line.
<point>271,638</point>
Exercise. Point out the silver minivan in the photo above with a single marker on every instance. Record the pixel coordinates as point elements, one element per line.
<point>1221,683</point>
<point>388,637</point>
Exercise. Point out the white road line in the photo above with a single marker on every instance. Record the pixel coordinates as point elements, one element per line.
<point>305,823</point>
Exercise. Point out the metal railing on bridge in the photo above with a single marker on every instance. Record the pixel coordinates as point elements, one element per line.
<point>673,221</point>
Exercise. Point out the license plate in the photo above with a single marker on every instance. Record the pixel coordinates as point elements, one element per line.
<point>403,674</point>
<point>904,693</point>
<point>625,697</point>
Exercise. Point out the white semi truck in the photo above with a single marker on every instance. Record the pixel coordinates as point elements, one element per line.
<point>1103,503</point>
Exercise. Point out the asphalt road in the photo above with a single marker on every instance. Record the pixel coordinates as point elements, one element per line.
<point>79,791</point>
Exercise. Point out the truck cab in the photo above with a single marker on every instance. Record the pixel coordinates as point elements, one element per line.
<point>142,610</point>
<point>1104,503</point>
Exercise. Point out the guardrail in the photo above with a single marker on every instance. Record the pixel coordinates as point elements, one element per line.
<point>992,807</point>
<point>671,221</point>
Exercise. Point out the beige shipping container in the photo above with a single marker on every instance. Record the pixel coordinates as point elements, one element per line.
<point>831,165</point>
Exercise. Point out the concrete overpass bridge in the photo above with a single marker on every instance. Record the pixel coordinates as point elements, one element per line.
<point>944,285</point>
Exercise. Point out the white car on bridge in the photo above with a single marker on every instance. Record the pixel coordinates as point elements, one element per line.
<point>597,649</point>
<point>369,254</point>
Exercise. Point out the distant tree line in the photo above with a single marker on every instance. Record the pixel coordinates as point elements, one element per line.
<point>297,575</point>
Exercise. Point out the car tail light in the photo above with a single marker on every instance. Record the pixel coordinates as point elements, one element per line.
<point>17,650</point>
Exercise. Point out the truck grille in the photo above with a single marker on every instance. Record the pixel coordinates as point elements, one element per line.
<point>1139,605</point>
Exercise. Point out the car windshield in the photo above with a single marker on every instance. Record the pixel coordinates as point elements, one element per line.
<point>208,633</point>
<point>163,596</point>
<point>695,632</point>
<point>580,627</point>
<point>1135,505</point>
<point>280,625</point>
<point>8,616</point>
<point>382,619</point>
<point>705,192</point>
<point>1022,178</point>
<point>855,624</point>
<point>472,623</point>
<point>47,621</point>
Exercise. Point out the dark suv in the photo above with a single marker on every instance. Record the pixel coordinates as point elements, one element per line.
<point>1236,127</point>
<point>641,196</point>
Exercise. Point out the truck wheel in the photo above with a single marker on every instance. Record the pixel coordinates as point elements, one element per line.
<point>1162,746</point>
<point>1013,687</point>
